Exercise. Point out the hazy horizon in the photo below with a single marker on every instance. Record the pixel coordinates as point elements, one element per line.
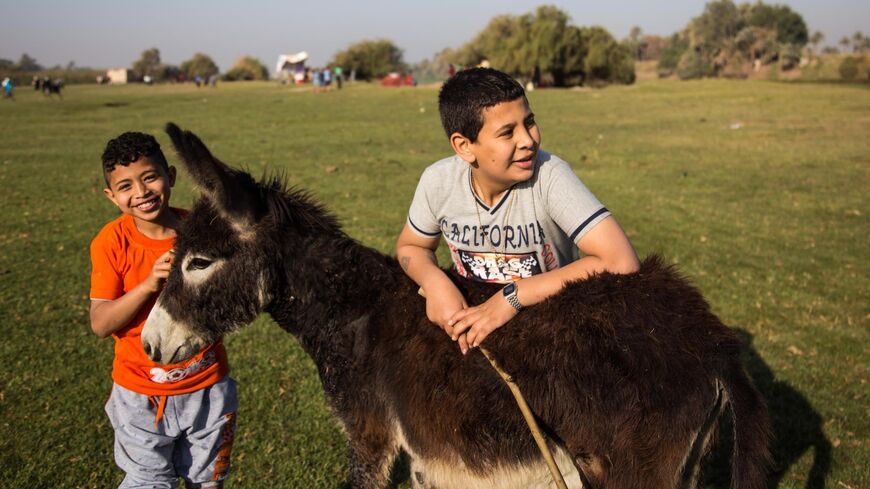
<point>106,34</point>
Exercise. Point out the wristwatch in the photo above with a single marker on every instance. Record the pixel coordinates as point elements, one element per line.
<point>510,294</point>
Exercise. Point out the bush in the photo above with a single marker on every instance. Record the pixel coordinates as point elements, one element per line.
<point>199,65</point>
<point>692,66</point>
<point>670,55</point>
<point>370,59</point>
<point>247,68</point>
<point>849,68</point>
<point>790,56</point>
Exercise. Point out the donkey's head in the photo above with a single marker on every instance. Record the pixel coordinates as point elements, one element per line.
<point>228,254</point>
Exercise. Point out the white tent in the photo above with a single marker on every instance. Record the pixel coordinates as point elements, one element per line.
<point>291,66</point>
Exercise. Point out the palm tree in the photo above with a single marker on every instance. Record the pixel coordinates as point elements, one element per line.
<point>816,39</point>
<point>857,42</point>
<point>845,42</point>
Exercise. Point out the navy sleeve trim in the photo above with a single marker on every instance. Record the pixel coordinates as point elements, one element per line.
<point>591,218</point>
<point>436,233</point>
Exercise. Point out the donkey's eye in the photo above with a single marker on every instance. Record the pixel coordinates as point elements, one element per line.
<point>198,264</point>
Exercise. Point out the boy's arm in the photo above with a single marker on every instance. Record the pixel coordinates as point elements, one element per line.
<point>108,317</point>
<point>416,255</point>
<point>605,248</point>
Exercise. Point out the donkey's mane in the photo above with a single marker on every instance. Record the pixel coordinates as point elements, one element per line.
<point>289,204</point>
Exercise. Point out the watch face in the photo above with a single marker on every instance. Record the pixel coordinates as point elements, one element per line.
<point>509,289</point>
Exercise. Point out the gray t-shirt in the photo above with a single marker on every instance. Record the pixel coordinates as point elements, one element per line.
<point>533,228</point>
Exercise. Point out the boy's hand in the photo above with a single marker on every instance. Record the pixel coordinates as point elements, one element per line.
<point>159,272</point>
<point>479,321</point>
<point>443,301</point>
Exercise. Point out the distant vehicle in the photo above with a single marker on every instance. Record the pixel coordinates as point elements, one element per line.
<point>397,80</point>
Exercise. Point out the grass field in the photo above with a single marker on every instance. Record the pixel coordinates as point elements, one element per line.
<point>758,190</point>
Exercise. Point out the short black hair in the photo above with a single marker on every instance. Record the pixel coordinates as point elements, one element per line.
<point>466,94</point>
<point>130,147</point>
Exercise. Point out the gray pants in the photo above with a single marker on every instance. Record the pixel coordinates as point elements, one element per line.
<point>192,440</point>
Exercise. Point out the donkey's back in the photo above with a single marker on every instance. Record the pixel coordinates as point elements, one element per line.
<point>628,374</point>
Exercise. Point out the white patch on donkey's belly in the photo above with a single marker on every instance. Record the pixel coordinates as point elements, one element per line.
<point>453,474</point>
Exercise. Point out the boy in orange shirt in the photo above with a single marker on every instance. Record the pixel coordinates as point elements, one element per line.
<point>170,421</point>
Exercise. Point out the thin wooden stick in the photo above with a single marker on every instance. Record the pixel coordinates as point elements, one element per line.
<point>537,434</point>
<point>530,420</point>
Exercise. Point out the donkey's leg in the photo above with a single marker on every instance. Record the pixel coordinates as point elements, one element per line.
<point>372,448</point>
<point>702,441</point>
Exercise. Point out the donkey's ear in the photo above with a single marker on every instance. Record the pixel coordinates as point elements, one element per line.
<point>233,192</point>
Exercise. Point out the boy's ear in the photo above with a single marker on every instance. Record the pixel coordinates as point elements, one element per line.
<point>110,195</point>
<point>462,146</point>
<point>172,173</point>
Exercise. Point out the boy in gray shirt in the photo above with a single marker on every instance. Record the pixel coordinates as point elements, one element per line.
<point>509,212</point>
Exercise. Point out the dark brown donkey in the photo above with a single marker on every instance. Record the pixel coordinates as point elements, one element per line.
<point>627,374</point>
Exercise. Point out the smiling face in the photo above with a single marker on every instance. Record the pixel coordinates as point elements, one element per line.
<point>141,189</point>
<point>506,146</point>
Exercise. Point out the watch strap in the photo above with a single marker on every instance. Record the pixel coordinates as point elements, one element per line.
<point>512,298</point>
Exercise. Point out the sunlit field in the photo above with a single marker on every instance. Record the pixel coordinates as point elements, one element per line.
<point>757,190</point>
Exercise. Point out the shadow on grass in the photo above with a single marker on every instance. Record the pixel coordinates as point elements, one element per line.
<point>797,428</point>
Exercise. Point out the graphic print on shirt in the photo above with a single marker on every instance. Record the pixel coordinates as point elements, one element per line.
<point>160,376</point>
<point>496,267</point>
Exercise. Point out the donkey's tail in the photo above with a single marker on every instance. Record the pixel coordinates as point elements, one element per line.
<point>751,456</point>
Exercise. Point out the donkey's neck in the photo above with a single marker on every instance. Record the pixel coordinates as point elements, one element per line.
<point>331,281</point>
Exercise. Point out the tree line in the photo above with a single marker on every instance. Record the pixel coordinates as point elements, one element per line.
<point>544,46</point>
<point>200,65</point>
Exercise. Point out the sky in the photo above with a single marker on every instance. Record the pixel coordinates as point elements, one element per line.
<point>113,33</point>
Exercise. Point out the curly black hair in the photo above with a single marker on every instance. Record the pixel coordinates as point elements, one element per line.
<point>129,147</point>
<point>466,94</point>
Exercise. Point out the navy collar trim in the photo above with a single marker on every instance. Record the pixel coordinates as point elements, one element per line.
<point>481,203</point>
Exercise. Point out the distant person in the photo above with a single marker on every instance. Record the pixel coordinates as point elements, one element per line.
<point>352,75</point>
<point>327,78</point>
<point>510,212</point>
<point>7,88</point>
<point>317,79</point>
<point>170,421</point>
<point>198,81</point>
<point>536,76</point>
<point>212,80</point>
<point>337,72</point>
<point>451,70</point>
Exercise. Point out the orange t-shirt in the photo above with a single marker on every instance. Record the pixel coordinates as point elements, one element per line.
<point>121,258</point>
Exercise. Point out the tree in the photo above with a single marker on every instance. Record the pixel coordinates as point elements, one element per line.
<point>849,68</point>
<point>545,39</point>
<point>670,55</point>
<point>816,39</point>
<point>635,42</point>
<point>147,64</point>
<point>714,28</point>
<point>199,65</point>
<point>727,36</point>
<point>789,25</point>
<point>556,47</point>
<point>7,64</point>
<point>606,60</point>
<point>845,42</point>
<point>371,59</point>
<point>247,68</point>
<point>167,72</point>
<point>26,63</point>
<point>858,42</point>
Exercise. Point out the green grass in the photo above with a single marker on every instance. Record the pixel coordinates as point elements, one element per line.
<point>757,190</point>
